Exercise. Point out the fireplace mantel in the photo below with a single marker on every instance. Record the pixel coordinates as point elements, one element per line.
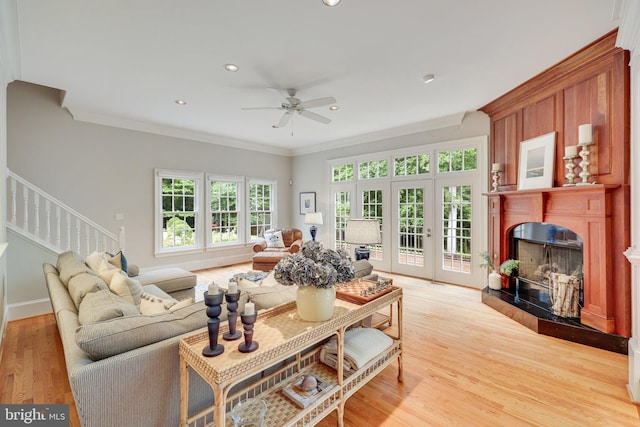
<point>586,210</point>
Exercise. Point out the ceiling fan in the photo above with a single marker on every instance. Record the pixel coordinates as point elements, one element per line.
<point>295,105</point>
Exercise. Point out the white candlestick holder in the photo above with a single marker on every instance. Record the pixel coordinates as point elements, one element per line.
<point>584,164</point>
<point>571,175</point>
<point>496,181</point>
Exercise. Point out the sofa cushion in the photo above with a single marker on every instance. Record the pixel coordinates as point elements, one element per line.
<point>269,296</point>
<point>169,279</point>
<point>115,336</point>
<point>362,268</point>
<point>68,265</point>
<point>104,339</point>
<point>104,305</point>
<point>126,287</point>
<point>274,239</point>
<point>82,284</point>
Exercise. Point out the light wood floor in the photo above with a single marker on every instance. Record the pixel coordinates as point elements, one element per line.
<point>465,364</point>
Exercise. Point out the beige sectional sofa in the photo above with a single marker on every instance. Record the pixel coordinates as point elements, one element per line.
<point>123,366</point>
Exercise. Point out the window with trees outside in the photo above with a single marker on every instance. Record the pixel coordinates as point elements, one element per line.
<point>372,209</point>
<point>342,210</point>
<point>225,203</point>
<point>372,169</point>
<point>412,165</point>
<point>341,173</point>
<point>456,224</point>
<point>261,207</point>
<point>457,160</point>
<point>179,211</point>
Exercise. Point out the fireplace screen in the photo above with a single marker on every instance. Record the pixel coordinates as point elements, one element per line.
<point>550,260</point>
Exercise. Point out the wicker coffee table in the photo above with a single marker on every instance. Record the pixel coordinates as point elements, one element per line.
<point>283,336</point>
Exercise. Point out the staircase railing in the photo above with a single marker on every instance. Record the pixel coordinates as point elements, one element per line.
<point>47,221</point>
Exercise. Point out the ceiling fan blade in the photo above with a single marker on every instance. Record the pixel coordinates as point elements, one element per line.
<point>314,116</point>
<point>285,119</point>
<point>320,102</point>
<point>261,108</point>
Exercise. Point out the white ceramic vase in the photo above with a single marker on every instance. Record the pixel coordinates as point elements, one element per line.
<point>315,304</point>
<point>495,280</point>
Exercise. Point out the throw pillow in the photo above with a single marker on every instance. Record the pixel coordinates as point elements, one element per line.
<point>151,304</point>
<point>119,261</point>
<point>244,284</point>
<point>104,305</point>
<point>94,260</point>
<point>267,297</point>
<point>70,264</point>
<point>274,239</point>
<point>127,288</point>
<point>82,284</point>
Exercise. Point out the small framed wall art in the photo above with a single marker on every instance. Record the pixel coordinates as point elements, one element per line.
<point>307,202</point>
<point>536,167</point>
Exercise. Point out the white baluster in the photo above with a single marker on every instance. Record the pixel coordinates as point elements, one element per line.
<point>121,238</point>
<point>25,206</point>
<point>58,229</point>
<point>68,216</point>
<point>13,201</point>
<point>36,214</point>
<point>78,240</point>
<point>47,211</point>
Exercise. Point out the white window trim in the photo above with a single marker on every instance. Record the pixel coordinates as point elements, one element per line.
<point>242,229</point>
<point>274,203</point>
<point>199,200</point>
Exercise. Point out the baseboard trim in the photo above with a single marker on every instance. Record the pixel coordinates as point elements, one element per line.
<point>28,309</point>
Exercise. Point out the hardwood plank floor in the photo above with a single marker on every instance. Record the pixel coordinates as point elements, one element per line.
<point>464,364</point>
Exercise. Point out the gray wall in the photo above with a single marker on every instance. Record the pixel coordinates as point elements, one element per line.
<point>100,170</point>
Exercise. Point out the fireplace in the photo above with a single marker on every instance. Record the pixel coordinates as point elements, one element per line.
<point>569,242</point>
<point>551,267</point>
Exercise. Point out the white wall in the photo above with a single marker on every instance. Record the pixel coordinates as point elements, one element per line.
<point>101,170</point>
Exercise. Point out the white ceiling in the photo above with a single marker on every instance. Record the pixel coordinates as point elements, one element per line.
<point>124,63</point>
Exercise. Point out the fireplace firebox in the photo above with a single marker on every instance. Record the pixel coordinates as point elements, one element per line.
<point>551,266</point>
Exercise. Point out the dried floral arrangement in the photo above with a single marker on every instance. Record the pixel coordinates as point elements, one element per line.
<point>315,266</point>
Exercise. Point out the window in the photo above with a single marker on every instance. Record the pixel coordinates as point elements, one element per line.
<point>372,169</point>
<point>342,173</point>
<point>457,160</point>
<point>410,226</point>
<point>411,165</point>
<point>372,208</point>
<point>178,211</point>
<point>261,207</point>
<point>224,210</point>
<point>342,207</point>
<point>456,228</point>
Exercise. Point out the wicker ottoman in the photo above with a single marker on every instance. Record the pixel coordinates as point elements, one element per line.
<point>265,261</point>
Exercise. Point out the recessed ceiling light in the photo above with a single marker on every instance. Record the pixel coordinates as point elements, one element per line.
<point>331,3</point>
<point>181,102</point>
<point>428,78</point>
<point>231,67</point>
<point>334,108</point>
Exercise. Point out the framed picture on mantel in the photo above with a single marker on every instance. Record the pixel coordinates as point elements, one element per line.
<point>536,167</point>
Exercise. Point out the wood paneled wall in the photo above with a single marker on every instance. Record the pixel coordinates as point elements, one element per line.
<point>591,86</point>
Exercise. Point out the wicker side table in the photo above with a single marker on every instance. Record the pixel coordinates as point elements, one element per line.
<point>282,335</point>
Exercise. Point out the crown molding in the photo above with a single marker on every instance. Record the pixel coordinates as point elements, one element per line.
<point>413,128</point>
<point>171,131</point>
<point>10,68</point>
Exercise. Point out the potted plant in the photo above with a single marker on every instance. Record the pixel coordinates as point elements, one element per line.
<point>495,279</point>
<point>315,271</point>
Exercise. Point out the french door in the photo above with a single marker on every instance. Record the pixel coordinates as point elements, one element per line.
<point>411,239</point>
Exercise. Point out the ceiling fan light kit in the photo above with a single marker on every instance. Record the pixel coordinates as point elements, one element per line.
<point>331,3</point>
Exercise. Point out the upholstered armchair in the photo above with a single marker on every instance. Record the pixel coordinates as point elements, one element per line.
<point>288,240</point>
